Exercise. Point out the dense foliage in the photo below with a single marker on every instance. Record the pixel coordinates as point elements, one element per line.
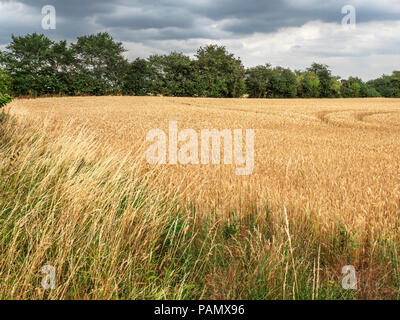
<point>95,65</point>
<point>387,86</point>
<point>4,84</point>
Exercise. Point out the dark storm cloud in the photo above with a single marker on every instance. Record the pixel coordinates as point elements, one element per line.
<point>73,8</point>
<point>268,16</point>
<point>186,19</point>
<point>148,19</point>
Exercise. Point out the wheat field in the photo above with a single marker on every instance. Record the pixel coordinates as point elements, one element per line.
<point>78,194</point>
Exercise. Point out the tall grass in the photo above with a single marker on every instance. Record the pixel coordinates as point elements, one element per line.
<point>112,233</point>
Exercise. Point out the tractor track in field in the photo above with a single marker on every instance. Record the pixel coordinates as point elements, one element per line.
<point>323,116</point>
<point>275,113</point>
<point>361,116</point>
<point>357,115</point>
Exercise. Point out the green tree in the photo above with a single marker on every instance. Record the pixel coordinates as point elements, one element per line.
<point>308,85</point>
<point>351,88</point>
<point>99,64</point>
<point>324,75</point>
<point>38,65</point>
<point>219,73</point>
<point>62,64</point>
<point>5,82</point>
<point>258,81</point>
<point>387,86</point>
<point>282,83</point>
<point>335,87</point>
<point>28,61</point>
<point>354,87</point>
<point>173,75</point>
<point>138,78</point>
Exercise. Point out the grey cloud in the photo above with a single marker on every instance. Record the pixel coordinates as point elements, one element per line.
<point>269,16</point>
<point>253,15</point>
<point>147,20</point>
<point>158,25</point>
<point>237,17</point>
<point>73,8</point>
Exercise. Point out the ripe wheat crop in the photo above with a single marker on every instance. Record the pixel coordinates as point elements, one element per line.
<point>77,193</point>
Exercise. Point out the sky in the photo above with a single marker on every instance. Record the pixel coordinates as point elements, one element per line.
<point>288,33</point>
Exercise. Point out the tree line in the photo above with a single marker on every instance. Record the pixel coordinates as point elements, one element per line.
<point>5,81</point>
<point>33,65</point>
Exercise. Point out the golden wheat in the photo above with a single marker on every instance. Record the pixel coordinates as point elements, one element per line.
<point>330,163</point>
<point>338,157</point>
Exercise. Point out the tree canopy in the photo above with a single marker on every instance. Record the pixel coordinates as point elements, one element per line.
<point>5,82</point>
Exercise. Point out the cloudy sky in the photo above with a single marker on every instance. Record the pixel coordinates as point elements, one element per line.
<point>290,33</point>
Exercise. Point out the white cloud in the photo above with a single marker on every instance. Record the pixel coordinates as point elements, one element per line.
<point>16,14</point>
